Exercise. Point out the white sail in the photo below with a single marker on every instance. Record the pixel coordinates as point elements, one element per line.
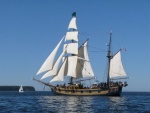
<point>63,59</point>
<point>61,73</point>
<point>87,65</point>
<point>55,67</point>
<point>49,62</point>
<point>71,48</point>
<point>87,70</point>
<point>84,68</point>
<point>48,74</point>
<point>21,89</point>
<point>76,66</point>
<point>79,68</point>
<point>73,35</point>
<point>116,67</point>
<point>72,63</point>
<point>72,23</point>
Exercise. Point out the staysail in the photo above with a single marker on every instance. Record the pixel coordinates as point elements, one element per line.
<point>61,73</point>
<point>55,68</point>
<point>49,62</point>
<point>84,68</point>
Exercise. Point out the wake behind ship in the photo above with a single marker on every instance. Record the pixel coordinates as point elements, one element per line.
<point>72,68</point>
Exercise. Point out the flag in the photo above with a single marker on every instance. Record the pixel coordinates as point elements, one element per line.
<point>74,14</point>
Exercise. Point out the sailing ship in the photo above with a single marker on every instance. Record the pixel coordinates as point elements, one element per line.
<point>21,89</point>
<point>74,63</point>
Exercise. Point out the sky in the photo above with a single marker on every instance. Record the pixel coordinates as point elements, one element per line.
<point>30,29</point>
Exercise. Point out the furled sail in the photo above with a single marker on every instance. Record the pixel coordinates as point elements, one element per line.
<point>49,62</point>
<point>116,67</point>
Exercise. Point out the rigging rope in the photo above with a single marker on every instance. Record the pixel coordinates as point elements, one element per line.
<point>91,46</point>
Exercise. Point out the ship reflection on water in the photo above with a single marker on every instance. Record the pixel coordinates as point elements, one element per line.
<point>66,103</point>
<point>79,104</point>
<point>94,104</point>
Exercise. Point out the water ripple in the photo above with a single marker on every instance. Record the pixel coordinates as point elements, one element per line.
<point>45,102</point>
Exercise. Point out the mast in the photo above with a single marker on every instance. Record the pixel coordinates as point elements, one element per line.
<point>109,56</point>
<point>73,15</point>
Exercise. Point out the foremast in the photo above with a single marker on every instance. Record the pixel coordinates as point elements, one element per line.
<point>75,61</point>
<point>109,56</point>
<point>73,16</point>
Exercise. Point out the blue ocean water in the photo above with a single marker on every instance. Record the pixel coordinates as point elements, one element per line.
<point>46,102</point>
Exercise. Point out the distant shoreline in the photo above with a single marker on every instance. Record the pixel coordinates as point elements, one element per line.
<point>16,88</point>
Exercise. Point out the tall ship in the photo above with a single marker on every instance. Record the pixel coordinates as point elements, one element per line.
<point>73,68</point>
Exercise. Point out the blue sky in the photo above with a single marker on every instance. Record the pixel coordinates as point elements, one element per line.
<point>30,29</point>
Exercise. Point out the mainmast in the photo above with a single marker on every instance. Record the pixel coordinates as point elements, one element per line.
<point>109,56</point>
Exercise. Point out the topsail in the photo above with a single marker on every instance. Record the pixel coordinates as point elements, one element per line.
<point>72,23</point>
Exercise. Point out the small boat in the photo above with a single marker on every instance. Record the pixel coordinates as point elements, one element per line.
<point>21,89</point>
<point>73,68</point>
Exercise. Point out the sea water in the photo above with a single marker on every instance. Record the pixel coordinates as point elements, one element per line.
<point>46,102</point>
